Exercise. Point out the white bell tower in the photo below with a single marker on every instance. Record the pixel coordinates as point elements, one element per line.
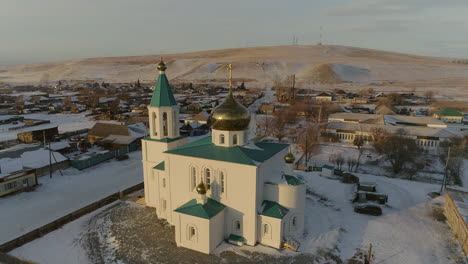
<point>163,115</point>
<point>163,110</point>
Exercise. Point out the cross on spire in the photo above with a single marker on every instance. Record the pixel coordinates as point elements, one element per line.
<point>230,77</point>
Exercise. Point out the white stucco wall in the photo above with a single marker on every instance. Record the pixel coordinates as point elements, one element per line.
<point>152,154</point>
<point>202,240</point>
<point>274,236</point>
<point>291,197</point>
<point>239,196</point>
<point>228,137</point>
<point>217,230</point>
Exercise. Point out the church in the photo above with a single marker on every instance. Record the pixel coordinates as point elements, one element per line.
<point>224,187</point>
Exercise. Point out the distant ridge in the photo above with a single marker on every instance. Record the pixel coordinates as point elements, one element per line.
<point>256,66</point>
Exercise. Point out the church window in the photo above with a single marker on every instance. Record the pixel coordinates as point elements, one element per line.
<point>222,181</point>
<point>154,125</point>
<point>294,223</point>
<point>174,123</point>
<point>164,205</point>
<point>221,139</point>
<point>164,182</point>
<point>164,124</point>
<point>238,225</point>
<point>193,178</point>
<point>234,140</point>
<point>266,229</point>
<point>208,177</point>
<point>192,233</point>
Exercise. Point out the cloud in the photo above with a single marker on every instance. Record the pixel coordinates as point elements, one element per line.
<point>389,7</point>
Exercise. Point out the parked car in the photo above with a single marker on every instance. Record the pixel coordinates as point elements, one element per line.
<point>122,157</point>
<point>368,209</point>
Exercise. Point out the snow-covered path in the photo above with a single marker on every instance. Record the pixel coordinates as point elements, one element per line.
<point>59,196</point>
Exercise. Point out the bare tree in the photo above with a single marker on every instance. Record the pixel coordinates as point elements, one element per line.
<point>398,149</point>
<point>337,159</point>
<point>428,96</point>
<point>359,143</point>
<point>458,152</point>
<point>307,140</point>
<point>279,124</point>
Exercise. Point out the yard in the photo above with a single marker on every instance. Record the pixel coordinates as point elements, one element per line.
<point>407,232</point>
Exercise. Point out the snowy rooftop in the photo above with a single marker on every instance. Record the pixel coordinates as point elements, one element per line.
<point>8,166</point>
<point>40,158</point>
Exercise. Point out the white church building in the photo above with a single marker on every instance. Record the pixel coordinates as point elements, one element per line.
<point>223,187</point>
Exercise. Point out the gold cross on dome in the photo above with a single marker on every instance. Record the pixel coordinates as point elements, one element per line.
<point>230,75</point>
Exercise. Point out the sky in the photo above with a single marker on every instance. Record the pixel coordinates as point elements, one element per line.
<point>55,30</point>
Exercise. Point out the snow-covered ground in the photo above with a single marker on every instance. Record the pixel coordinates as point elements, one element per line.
<point>65,123</point>
<point>59,196</point>
<point>407,232</point>
<point>66,241</point>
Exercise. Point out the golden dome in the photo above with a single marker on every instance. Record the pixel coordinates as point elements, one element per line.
<point>289,158</point>
<point>201,188</point>
<point>161,66</point>
<point>230,115</point>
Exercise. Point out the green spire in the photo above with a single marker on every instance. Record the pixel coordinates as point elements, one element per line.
<point>162,95</point>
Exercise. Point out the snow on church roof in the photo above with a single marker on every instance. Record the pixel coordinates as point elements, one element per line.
<point>205,149</point>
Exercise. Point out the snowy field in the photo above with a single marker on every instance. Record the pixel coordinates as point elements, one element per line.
<point>59,196</point>
<point>407,232</point>
<point>65,123</point>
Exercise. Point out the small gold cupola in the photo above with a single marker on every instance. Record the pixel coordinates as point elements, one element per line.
<point>289,158</point>
<point>201,188</point>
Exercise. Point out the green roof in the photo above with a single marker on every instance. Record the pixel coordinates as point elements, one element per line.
<point>326,166</point>
<point>206,211</point>
<point>273,209</point>
<point>162,95</point>
<point>237,238</point>
<point>165,140</point>
<point>449,112</point>
<point>205,149</point>
<point>160,166</point>
<point>292,180</point>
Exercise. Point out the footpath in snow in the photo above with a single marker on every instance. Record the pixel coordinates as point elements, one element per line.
<point>59,196</point>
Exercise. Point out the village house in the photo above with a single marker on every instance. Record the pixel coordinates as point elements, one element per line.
<point>14,178</point>
<point>449,115</point>
<point>38,135</point>
<point>324,97</point>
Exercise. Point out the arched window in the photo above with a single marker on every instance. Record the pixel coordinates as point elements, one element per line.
<point>208,177</point>
<point>164,124</point>
<point>234,140</point>
<point>175,124</point>
<point>164,205</point>
<point>164,183</point>
<point>192,233</point>
<point>266,229</point>
<point>155,131</point>
<point>294,223</point>
<point>221,139</point>
<point>222,181</point>
<point>193,178</point>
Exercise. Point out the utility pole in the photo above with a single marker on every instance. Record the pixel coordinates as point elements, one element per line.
<point>50,162</point>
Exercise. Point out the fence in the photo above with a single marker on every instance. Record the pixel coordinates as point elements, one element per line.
<point>54,225</point>
<point>83,164</point>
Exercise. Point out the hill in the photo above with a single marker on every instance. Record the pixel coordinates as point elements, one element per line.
<point>256,66</point>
